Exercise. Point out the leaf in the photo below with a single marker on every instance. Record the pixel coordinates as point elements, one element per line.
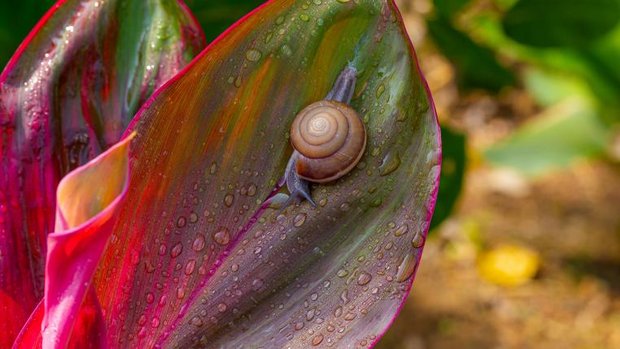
<point>452,174</point>
<point>557,138</point>
<point>449,8</point>
<point>198,259</point>
<point>553,23</point>
<point>84,218</point>
<point>476,66</point>
<point>67,95</point>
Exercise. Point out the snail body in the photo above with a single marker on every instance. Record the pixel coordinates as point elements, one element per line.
<point>330,138</point>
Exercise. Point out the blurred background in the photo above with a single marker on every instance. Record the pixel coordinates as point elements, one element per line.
<point>525,246</point>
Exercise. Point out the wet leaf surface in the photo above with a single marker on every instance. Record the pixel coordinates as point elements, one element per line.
<point>197,258</point>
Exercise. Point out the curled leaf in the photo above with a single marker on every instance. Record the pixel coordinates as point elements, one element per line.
<point>84,218</point>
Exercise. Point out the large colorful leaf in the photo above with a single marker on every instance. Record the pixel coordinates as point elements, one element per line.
<point>67,95</point>
<point>198,259</point>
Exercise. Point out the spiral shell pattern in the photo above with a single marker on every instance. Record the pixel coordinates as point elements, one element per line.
<point>330,138</point>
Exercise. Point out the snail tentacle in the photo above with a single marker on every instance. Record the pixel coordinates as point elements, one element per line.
<point>344,87</point>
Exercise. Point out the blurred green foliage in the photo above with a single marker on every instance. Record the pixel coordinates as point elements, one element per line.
<point>565,53</point>
<point>215,16</point>
<point>452,174</point>
<point>561,23</point>
<point>17,18</point>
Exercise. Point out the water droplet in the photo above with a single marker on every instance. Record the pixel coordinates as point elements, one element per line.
<point>193,217</point>
<point>317,339</point>
<point>252,189</point>
<point>176,250</point>
<point>213,168</point>
<point>196,321</point>
<point>344,296</point>
<point>189,267</point>
<point>180,293</point>
<point>299,325</point>
<point>222,307</point>
<point>380,90</point>
<point>142,320</point>
<point>155,322</point>
<point>390,163</point>
<point>257,284</point>
<point>199,243</point>
<point>418,241</point>
<point>345,206</point>
<point>253,55</point>
<point>364,278</point>
<point>162,249</point>
<point>222,236</point>
<point>280,20</point>
<point>228,200</point>
<point>304,17</point>
<point>181,222</point>
<point>350,316</point>
<point>402,230</point>
<point>342,273</point>
<point>406,268</point>
<point>150,298</point>
<point>286,50</point>
<point>299,220</point>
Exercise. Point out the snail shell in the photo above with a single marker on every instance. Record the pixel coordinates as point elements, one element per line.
<point>330,138</point>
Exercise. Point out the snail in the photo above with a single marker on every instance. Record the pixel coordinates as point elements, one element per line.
<point>329,139</point>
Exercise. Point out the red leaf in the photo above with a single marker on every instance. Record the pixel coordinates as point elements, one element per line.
<point>65,96</point>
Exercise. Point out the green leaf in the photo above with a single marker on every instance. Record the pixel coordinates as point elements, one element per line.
<point>449,8</point>
<point>452,174</point>
<point>553,23</point>
<point>476,66</point>
<point>16,19</point>
<point>561,135</point>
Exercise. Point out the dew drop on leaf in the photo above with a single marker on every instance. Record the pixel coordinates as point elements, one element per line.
<point>222,236</point>
<point>253,55</point>
<point>402,230</point>
<point>390,163</point>
<point>406,268</point>
<point>196,321</point>
<point>199,243</point>
<point>176,250</point>
<point>299,220</point>
<point>364,278</point>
